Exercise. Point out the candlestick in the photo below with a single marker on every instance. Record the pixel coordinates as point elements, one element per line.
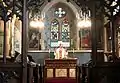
<point>49,52</point>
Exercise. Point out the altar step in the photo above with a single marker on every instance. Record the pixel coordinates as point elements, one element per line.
<point>60,80</point>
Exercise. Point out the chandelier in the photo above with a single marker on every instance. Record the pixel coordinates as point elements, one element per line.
<point>35,16</point>
<point>84,20</point>
<point>36,20</point>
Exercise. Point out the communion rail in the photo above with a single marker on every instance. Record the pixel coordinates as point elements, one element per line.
<point>12,73</point>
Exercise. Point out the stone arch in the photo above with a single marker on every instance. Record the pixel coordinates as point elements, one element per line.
<point>50,4</point>
<point>72,7</point>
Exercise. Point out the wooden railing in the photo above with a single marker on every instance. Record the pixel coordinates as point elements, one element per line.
<point>35,74</point>
<point>101,73</point>
<point>10,73</point>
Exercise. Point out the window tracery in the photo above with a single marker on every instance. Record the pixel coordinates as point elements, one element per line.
<point>60,13</point>
<point>65,31</point>
<point>54,32</point>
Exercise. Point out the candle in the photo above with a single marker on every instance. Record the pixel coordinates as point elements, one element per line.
<point>73,50</point>
<point>89,13</point>
<point>49,50</point>
<point>44,15</point>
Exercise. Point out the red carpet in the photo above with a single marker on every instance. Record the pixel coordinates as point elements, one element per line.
<point>60,80</point>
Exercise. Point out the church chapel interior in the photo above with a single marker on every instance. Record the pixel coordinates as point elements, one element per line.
<point>59,41</point>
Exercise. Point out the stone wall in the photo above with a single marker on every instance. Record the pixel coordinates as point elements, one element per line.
<point>39,57</point>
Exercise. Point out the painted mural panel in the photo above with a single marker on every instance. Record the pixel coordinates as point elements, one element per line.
<point>1,42</point>
<point>34,39</point>
<point>17,36</point>
<point>85,38</point>
<point>1,38</point>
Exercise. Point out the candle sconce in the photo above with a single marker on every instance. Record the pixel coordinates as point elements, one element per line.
<point>49,53</point>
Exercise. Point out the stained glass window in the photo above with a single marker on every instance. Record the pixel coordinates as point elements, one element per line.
<point>66,32</point>
<point>60,29</point>
<point>54,32</point>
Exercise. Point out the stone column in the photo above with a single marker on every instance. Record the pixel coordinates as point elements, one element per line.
<point>12,35</point>
<point>105,44</point>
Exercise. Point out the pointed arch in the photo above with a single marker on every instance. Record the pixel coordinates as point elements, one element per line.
<point>49,5</point>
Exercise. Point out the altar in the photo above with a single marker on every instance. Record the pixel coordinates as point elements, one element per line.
<point>60,68</point>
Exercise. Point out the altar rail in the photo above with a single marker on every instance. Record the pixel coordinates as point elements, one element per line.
<point>10,73</point>
<point>106,72</point>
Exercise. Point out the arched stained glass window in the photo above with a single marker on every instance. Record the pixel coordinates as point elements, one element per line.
<point>66,32</point>
<point>60,27</point>
<point>54,32</point>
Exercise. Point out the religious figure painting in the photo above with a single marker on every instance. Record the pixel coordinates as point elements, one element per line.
<point>85,38</point>
<point>34,37</point>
